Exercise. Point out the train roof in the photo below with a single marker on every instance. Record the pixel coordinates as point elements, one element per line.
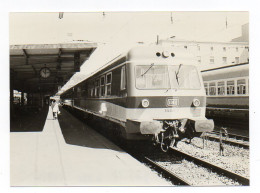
<point>117,56</point>
<point>224,72</point>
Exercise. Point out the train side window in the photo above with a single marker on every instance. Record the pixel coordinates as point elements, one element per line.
<point>102,86</point>
<point>230,87</point>
<point>123,79</point>
<point>92,89</point>
<point>78,92</point>
<point>212,88</point>
<point>241,86</point>
<point>221,88</point>
<point>97,87</point>
<point>108,83</point>
<point>206,88</point>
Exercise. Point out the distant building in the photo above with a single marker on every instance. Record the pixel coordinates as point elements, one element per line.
<point>216,53</point>
<point>245,34</point>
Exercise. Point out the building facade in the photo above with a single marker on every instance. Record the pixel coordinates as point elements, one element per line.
<point>214,53</point>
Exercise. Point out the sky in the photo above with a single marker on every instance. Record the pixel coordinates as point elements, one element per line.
<point>46,27</point>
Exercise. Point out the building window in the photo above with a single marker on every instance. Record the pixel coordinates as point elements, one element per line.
<point>221,88</point>
<point>241,86</point>
<point>237,60</point>
<point>211,48</point>
<point>211,60</point>
<point>108,83</point>
<point>224,49</point>
<point>199,59</point>
<point>102,86</point>
<point>185,47</point>
<point>198,48</point>
<point>224,59</point>
<point>236,49</point>
<point>212,88</point>
<point>230,87</point>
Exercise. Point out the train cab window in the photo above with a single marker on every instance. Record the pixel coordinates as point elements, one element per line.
<point>123,79</point>
<point>230,87</point>
<point>212,88</point>
<point>102,86</point>
<point>221,88</point>
<point>241,86</point>
<point>108,83</point>
<point>97,87</point>
<point>206,88</point>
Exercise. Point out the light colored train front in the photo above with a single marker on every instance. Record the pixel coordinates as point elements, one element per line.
<point>169,98</point>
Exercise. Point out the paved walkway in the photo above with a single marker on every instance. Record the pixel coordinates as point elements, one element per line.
<point>45,159</point>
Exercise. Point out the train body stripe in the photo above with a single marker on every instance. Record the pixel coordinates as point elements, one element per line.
<point>154,101</point>
<point>109,110</point>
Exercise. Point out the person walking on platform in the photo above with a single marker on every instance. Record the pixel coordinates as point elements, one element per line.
<point>55,110</point>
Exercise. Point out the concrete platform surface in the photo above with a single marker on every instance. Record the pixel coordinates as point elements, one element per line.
<point>45,159</point>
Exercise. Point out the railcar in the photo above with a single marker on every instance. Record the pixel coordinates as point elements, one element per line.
<point>150,92</point>
<point>227,90</point>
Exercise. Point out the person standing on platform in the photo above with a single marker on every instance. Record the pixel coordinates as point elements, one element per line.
<point>55,110</point>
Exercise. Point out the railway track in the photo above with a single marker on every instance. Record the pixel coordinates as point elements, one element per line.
<point>167,173</point>
<point>232,139</point>
<point>242,180</point>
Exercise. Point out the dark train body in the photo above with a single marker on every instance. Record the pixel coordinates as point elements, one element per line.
<point>227,90</point>
<point>147,93</point>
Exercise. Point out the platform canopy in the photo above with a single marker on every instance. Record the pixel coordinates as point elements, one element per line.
<point>42,68</point>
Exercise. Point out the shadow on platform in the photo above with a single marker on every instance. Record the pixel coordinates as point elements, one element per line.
<point>75,132</point>
<point>26,119</point>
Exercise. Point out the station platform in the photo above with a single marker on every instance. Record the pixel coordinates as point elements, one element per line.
<point>69,153</point>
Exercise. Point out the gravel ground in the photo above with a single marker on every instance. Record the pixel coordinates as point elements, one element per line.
<point>196,175</point>
<point>235,159</point>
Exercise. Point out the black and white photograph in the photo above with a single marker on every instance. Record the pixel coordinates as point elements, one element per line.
<point>156,98</point>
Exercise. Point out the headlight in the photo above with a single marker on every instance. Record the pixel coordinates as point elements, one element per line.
<point>145,103</point>
<point>166,54</point>
<point>196,102</point>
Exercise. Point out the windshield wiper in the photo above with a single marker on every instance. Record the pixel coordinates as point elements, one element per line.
<point>177,73</point>
<point>147,69</point>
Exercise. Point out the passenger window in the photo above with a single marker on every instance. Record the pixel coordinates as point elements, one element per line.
<point>212,88</point>
<point>206,88</point>
<point>102,86</point>
<point>97,87</point>
<point>78,92</point>
<point>241,86</point>
<point>221,88</point>
<point>123,79</point>
<point>230,87</point>
<point>108,83</point>
<point>92,89</point>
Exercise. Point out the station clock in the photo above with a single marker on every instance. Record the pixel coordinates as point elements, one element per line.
<point>45,72</point>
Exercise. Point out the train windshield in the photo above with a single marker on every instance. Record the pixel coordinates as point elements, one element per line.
<point>167,77</point>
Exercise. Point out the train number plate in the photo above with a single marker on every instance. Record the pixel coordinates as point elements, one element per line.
<point>172,102</point>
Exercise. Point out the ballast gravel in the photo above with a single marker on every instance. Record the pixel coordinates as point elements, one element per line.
<point>235,159</point>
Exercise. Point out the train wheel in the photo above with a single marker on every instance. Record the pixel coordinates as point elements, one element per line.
<point>167,140</point>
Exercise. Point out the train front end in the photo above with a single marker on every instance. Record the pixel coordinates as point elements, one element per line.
<point>166,97</point>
